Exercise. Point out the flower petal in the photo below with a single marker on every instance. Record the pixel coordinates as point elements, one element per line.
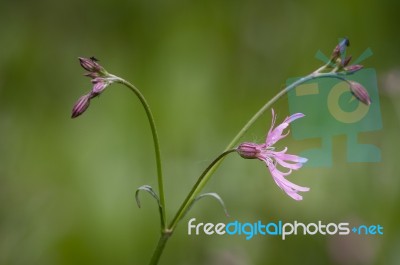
<point>294,166</point>
<point>294,117</point>
<point>285,160</point>
<point>278,177</point>
<point>272,121</point>
<point>272,166</point>
<point>276,134</point>
<point>292,158</point>
<point>288,187</point>
<point>295,196</point>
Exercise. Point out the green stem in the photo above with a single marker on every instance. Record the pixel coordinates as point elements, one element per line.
<point>160,248</point>
<point>156,146</point>
<point>275,98</point>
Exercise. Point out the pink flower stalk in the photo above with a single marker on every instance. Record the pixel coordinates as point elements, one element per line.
<point>266,152</point>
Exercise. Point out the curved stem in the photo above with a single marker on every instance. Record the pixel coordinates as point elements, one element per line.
<point>156,146</point>
<point>267,105</point>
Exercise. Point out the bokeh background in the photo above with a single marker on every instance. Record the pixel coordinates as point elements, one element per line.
<point>67,186</point>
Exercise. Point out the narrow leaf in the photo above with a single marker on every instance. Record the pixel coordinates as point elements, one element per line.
<point>150,190</point>
<point>215,196</point>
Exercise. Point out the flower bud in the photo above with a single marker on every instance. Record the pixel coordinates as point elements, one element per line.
<point>81,105</point>
<point>91,65</point>
<point>346,61</point>
<point>340,49</point>
<point>92,75</point>
<point>248,150</point>
<point>353,68</point>
<point>360,92</point>
<point>99,84</point>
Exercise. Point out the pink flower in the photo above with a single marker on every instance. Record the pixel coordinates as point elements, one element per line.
<point>266,152</point>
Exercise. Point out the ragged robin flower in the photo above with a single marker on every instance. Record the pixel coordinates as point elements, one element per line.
<point>272,158</point>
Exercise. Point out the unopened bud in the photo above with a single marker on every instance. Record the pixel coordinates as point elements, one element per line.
<point>81,105</point>
<point>92,75</point>
<point>99,84</point>
<point>346,61</point>
<point>248,150</point>
<point>91,65</point>
<point>360,92</point>
<point>353,68</point>
<point>340,48</point>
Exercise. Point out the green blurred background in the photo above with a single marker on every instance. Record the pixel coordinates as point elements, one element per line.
<point>67,186</point>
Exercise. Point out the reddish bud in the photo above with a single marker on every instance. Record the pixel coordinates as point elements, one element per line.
<point>248,150</point>
<point>92,75</point>
<point>340,48</point>
<point>346,61</point>
<point>99,84</point>
<point>81,105</point>
<point>353,68</point>
<point>360,92</point>
<point>91,65</point>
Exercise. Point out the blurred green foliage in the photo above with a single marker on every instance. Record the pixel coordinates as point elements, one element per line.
<point>67,186</point>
